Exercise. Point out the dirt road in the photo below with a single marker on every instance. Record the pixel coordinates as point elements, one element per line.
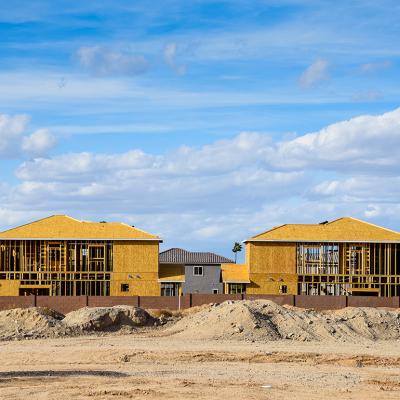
<point>141,366</point>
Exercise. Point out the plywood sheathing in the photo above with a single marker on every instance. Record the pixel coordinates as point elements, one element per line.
<point>58,227</point>
<point>344,229</point>
<point>238,273</point>
<point>171,272</point>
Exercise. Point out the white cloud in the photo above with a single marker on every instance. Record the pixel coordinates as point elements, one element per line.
<point>314,74</point>
<point>15,140</point>
<point>170,58</point>
<point>375,66</point>
<point>364,143</point>
<point>226,190</point>
<point>104,61</point>
<point>369,95</point>
<point>39,142</point>
<point>362,188</point>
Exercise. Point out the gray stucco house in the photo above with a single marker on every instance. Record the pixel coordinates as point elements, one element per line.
<point>183,272</point>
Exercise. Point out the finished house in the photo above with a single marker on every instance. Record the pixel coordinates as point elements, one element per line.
<point>60,255</point>
<point>342,257</point>
<point>183,272</point>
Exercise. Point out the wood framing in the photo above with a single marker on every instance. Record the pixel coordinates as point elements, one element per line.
<point>343,257</point>
<point>62,256</point>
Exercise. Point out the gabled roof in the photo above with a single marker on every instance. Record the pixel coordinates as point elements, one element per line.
<point>344,229</point>
<point>63,227</point>
<point>181,256</point>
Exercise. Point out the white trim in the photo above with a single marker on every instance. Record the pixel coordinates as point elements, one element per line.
<point>169,281</point>
<point>237,282</point>
<point>202,270</point>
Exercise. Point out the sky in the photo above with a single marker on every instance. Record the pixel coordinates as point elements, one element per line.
<point>204,122</point>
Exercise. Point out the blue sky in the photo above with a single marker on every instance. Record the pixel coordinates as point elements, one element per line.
<point>202,121</point>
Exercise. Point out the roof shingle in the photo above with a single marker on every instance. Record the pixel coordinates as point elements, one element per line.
<point>181,256</point>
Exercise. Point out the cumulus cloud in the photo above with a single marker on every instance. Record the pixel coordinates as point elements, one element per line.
<point>39,142</point>
<point>365,143</point>
<point>103,61</point>
<point>227,190</point>
<point>15,139</point>
<point>314,74</point>
<point>170,51</point>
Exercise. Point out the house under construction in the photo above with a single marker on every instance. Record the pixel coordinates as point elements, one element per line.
<point>343,257</point>
<point>63,256</point>
<point>60,255</point>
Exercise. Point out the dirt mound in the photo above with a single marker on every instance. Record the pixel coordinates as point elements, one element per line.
<point>36,322</point>
<point>107,318</point>
<point>31,322</point>
<point>259,320</point>
<point>264,320</point>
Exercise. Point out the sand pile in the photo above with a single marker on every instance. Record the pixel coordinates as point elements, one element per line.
<point>32,322</point>
<point>263,320</point>
<point>107,318</point>
<point>36,322</point>
<point>259,320</point>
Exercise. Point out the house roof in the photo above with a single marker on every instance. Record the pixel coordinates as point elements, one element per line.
<point>181,256</point>
<point>344,229</point>
<point>63,227</point>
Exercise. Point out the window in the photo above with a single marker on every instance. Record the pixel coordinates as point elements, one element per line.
<point>124,287</point>
<point>283,289</point>
<point>170,289</point>
<point>197,271</point>
<point>236,288</point>
<point>215,291</point>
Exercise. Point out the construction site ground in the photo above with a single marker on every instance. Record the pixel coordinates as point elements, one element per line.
<point>132,367</point>
<point>170,362</point>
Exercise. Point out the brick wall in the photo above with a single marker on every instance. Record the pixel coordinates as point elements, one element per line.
<point>278,299</point>
<point>105,301</point>
<point>365,301</point>
<point>200,299</point>
<point>67,304</point>
<point>321,302</point>
<point>61,304</point>
<point>9,302</point>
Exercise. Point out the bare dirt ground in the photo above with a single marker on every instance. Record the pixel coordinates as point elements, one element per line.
<point>137,367</point>
<point>210,354</point>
